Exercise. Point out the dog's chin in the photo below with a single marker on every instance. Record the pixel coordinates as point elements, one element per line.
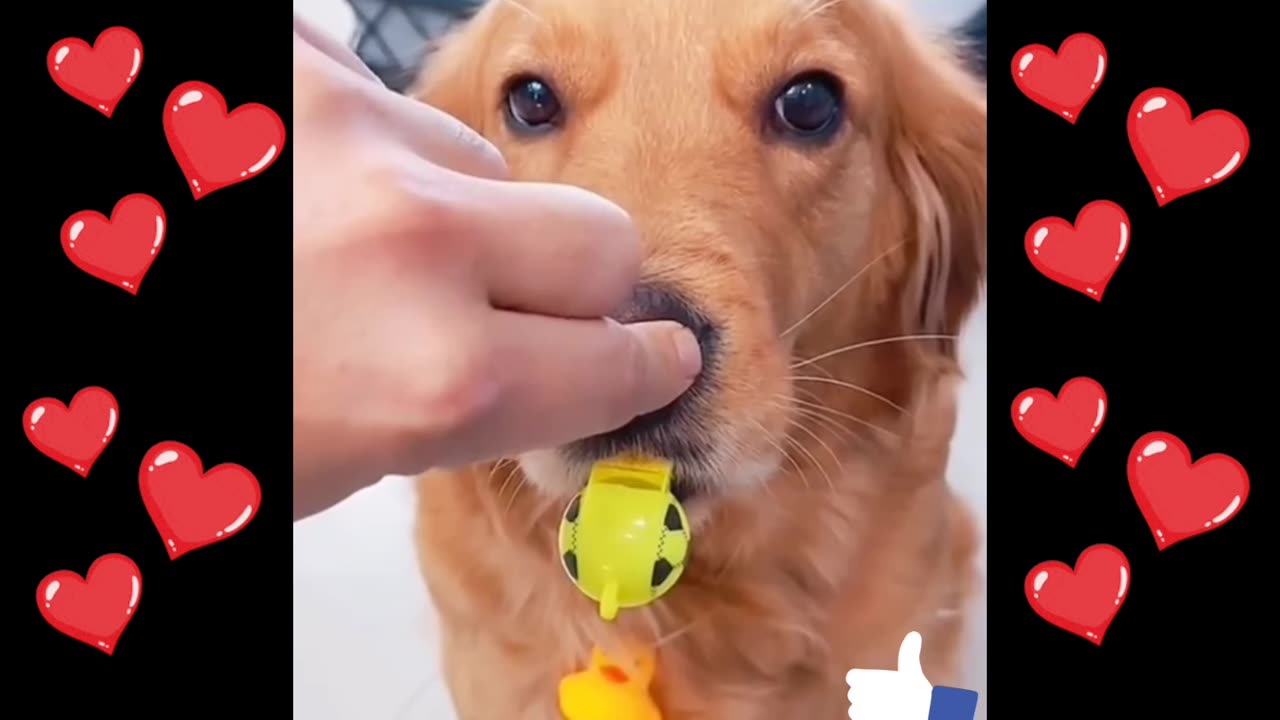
<point>698,482</point>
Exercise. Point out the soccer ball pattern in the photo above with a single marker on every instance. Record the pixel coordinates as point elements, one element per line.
<point>670,554</point>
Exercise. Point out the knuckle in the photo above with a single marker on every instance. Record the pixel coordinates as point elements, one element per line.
<point>387,186</point>
<point>412,215</point>
<point>382,207</point>
<point>459,392</point>
<point>407,204</point>
<point>437,216</point>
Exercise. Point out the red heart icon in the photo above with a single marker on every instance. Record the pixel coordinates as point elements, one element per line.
<point>73,436</point>
<point>1062,426</point>
<point>94,610</point>
<point>1083,256</point>
<point>97,76</point>
<point>1181,499</point>
<point>120,250</point>
<point>216,149</point>
<point>1061,82</point>
<point>190,507</point>
<point>1179,155</point>
<point>1083,601</point>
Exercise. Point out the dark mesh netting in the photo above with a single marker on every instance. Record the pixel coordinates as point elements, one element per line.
<point>974,34</point>
<point>393,36</point>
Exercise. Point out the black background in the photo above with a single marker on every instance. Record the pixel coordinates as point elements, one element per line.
<point>200,356</point>
<point>1180,343</point>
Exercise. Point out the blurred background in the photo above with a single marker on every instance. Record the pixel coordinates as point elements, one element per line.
<point>364,634</point>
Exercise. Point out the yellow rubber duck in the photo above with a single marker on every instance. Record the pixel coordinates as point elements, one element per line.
<point>609,690</point>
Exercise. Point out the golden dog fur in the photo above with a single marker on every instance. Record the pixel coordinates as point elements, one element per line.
<point>828,531</point>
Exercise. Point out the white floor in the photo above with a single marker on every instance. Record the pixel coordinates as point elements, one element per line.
<point>363,630</point>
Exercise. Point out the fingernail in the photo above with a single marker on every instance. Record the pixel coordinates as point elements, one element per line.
<point>688,352</point>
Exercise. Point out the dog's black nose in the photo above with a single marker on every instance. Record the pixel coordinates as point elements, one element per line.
<point>675,431</point>
<point>653,302</point>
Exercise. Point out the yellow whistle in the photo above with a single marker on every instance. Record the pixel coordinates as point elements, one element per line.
<point>609,690</point>
<point>625,538</point>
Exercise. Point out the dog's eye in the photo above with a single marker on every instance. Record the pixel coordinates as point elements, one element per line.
<point>809,106</point>
<point>532,104</point>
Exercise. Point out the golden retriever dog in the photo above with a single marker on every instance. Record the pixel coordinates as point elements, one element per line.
<point>809,180</point>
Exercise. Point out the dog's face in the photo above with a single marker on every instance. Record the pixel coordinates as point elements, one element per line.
<point>768,152</point>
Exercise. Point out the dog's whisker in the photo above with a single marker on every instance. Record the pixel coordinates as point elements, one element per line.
<point>846,283</point>
<point>867,344</point>
<point>768,437</point>
<point>825,446</point>
<point>507,480</point>
<point>679,632</point>
<point>493,471</point>
<point>808,412</point>
<point>511,501</point>
<point>845,415</point>
<point>809,8</point>
<point>830,418</point>
<point>406,707</point>
<point>736,456</point>
<point>851,386</point>
<point>524,9</point>
<point>492,507</point>
<point>730,562</point>
<point>804,453</point>
<point>829,423</point>
<point>804,478</point>
<point>806,392</point>
<point>831,485</point>
<point>819,368</point>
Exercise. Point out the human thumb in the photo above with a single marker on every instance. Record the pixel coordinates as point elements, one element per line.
<point>668,361</point>
<point>909,655</point>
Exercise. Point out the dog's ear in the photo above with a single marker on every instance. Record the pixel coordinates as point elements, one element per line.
<point>936,125</point>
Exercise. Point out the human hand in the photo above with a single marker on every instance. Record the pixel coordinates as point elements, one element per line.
<point>902,694</point>
<point>442,314</point>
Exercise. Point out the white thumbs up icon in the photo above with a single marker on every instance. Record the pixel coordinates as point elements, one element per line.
<point>902,694</point>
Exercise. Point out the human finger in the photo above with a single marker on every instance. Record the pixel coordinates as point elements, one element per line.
<point>552,249</point>
<point>563,380</point>
<point>430,133</point>
<point>331,48</point>
<point>442,138</point>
